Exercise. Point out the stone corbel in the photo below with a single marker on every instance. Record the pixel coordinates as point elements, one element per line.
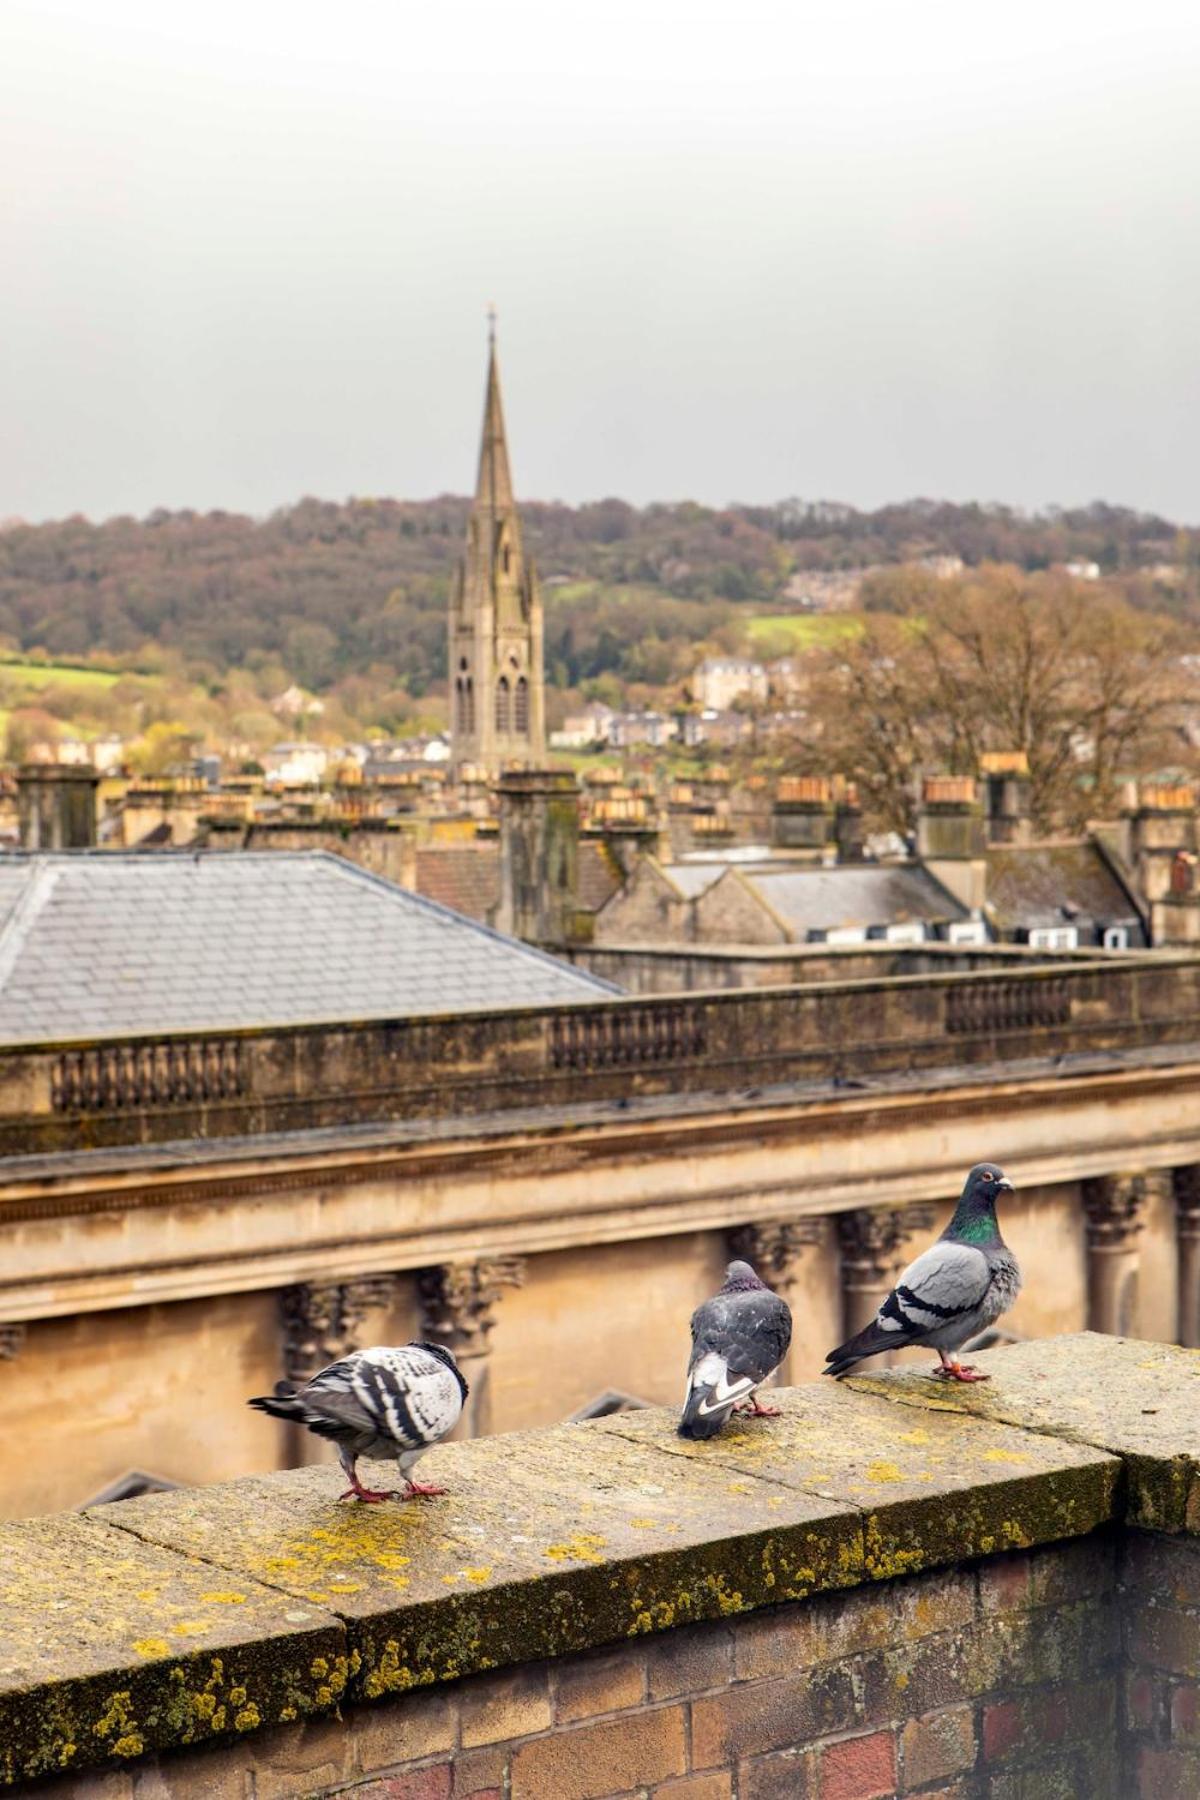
<point>774,1248</point>
<point>871,1239</point>
<point>322,1320</point>
<point>458,1309</point>
<point>1114,1210</point>
<point>12,1342</point>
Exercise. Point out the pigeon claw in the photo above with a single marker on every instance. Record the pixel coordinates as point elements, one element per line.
<point>956,1371</point>
<point>758,1411</point>
<point>368,1495</point>
<point>420,1490</point>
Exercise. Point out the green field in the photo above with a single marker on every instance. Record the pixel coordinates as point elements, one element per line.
<point>38,675</point>
<point>802,631</point>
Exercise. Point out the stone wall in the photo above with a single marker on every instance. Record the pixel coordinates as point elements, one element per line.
<point>895,1588</point>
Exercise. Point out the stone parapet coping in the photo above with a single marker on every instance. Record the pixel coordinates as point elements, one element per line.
<point>185,1617</point>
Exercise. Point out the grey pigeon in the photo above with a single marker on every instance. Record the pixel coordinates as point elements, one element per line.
<point>953,1290</point>
<point>384,1404</point>
<point>739,1337</point>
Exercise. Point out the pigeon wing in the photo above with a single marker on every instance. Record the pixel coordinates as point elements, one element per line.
<point>750,1331</point>
<point>404,1395</point>
<point>945,1283</point>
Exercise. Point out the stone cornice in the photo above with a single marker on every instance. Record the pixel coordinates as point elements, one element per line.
<point>290,1166</point>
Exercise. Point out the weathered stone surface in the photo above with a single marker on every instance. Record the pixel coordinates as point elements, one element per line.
<point>112,1647</point>
<point>930,1490</point>
<point>1140,1401</point>
<point>549,1542</point>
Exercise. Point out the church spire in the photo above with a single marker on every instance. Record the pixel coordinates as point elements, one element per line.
<point>493,490</point>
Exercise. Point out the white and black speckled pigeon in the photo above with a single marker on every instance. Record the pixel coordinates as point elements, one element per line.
<point>739,1337</point>
<point>953,1290</point>
<point>384,1404</point>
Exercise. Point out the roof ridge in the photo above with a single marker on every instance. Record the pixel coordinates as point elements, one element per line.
<point>39,885</point>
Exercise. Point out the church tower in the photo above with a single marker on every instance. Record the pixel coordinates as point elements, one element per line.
<point>495,637</point>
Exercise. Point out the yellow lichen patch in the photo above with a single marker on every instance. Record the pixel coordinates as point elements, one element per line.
<point>1004,1456</point>
<point>583,1547</point>
<point>480,1574</point>
<point>152,1647</point>
<point>225,1599</point>
<point>918,1436</point>
<point>190,1627</point>
<point>248,1719</point>
<point>880,1470</point>
<point>645,1524</point>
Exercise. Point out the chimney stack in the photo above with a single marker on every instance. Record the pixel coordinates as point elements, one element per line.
<point>950,840</point>
<point>56,806</point>
<point>539,845</point>
<point>1160,831</point>
<point>802,816</point>
<point>1005,777</point>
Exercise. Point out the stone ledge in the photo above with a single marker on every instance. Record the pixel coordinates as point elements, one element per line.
<point>195,1615</point>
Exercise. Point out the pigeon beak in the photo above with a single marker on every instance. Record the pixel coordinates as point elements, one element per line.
<point>1006,1185</point>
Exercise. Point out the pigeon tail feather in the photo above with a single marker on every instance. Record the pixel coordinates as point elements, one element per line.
<point>869,1342</point>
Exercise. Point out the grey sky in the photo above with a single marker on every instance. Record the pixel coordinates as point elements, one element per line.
<point>858,250</point>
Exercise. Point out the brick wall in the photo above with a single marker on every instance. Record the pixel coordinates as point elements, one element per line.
<point>1160,1594</point>
<point>993,1681</point>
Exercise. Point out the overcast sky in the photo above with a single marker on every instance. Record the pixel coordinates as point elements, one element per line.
<point>860,250</point>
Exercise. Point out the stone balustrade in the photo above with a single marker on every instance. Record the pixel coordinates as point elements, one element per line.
<point>897,1587</point>
<point>197,1085</point>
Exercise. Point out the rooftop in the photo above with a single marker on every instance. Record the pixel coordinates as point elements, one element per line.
<point>97,944</point>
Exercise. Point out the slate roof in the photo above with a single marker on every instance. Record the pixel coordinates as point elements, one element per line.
<point>103,943</point>
<point>1032,885</point>
<point>820,899</point>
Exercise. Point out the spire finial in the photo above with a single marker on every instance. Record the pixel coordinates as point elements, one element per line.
<point>491,319</point>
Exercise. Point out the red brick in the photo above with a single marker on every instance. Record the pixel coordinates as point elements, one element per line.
<point>769,1715</point>
<point>718,1786</point>
<point>589,1762</point>
<point>1003,1729</point>
<point>1167,1774</point>
<point>599,1684</point>
<point>862,1768</point>
<point>1004,1584</point>
<point>1139,1702</point>
<point>784,1775</point>
<point>689,1661</point>
<point>1185,1713</point>
<point>419,1784</point>
<point>480,1772</point>
<point>513,1704</point>
<point>1166,1639</point>
<point>938,1745</point>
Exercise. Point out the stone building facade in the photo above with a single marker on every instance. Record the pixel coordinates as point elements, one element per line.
<point>187,1217</point>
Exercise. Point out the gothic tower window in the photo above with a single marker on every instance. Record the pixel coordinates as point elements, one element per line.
<point>507,558</point>
<point>502,709</point>
<point>521,708</point>
<point>469,698</point>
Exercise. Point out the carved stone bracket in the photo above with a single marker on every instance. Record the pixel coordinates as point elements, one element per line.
<point>871,1236</point>
<point>321,1320</point>
<point>12,1342</point>
<point>1186,1185</point>
<point>458,1301</point>
<point>1113,1206</point>
<point>773,1246</point>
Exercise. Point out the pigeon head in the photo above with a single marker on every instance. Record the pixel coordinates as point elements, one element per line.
<point>741,1279</point>
<point>974,1218</point>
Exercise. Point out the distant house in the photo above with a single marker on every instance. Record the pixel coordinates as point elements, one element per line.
<point>1061,896</point>
<point>629,728</point>
<point>720,680</point>
<point>296,765</point>
<point>727,901</point>
<point>580,731</point>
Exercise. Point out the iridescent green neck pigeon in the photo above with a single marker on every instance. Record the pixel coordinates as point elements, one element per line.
<point>952,1291</point>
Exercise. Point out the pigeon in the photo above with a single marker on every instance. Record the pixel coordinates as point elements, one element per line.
<point>739,1337</point>
<point>382,1403</point>
<point>952,1291</point>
